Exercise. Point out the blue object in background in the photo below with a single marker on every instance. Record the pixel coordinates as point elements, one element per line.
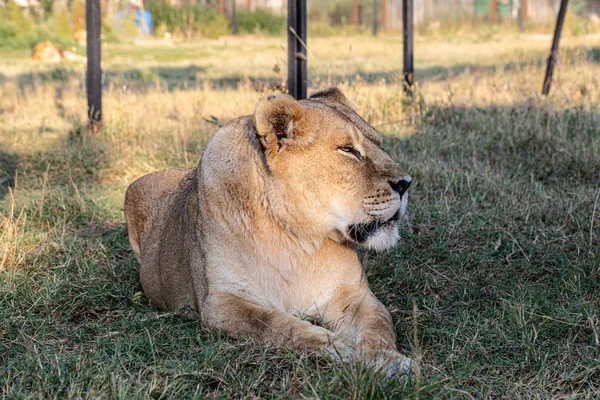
<point>120,16</point>
<point>146,26</point>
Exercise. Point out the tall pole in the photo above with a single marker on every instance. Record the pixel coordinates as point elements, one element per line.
<point>494,6</point>
<point>383,15</point>
<point>297,67</point>
<point>355,13</point>
<point>234,27</point>
<point>408,25</point>
<point>521,17</point>
<point>554,50</point>
<point>94,71</point>
<point>375,18</point>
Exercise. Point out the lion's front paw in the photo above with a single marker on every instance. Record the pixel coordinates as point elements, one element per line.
<point>394,364</point>
<point>311,337</point>
<point>339,350</point>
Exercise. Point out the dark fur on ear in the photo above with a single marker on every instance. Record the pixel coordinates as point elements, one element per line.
<point>331,93</point>
<point>278,120</point>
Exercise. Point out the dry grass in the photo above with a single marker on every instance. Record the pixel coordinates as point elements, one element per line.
<point>503,263</point>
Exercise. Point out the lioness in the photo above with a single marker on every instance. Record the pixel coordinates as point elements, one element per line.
<point>265,229</point>
<point>48,52</point>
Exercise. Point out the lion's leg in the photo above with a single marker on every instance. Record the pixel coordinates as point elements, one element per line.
<point>240,317</point>
<point>366,325</point>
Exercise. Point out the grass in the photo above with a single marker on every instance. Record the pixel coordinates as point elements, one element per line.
<point>503,261</point>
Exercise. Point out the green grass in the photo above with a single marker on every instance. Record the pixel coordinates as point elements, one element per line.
<point>503,260</point>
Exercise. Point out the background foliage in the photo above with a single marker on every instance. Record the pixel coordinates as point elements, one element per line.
<point>63,22</point>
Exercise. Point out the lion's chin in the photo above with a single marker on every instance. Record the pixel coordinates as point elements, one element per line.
<point>375,235</point>
<point>384,238</point>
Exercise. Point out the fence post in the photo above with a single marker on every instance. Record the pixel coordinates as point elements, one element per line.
<point>408,29</point>
<point>383,15</point>
<point>375,18</point>
<point>94,71</point>
<point>234,27</point>
<point>554,50</point>
<point>520,19</point>
<point>297,51</point>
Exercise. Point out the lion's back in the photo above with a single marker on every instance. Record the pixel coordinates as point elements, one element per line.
<point>144,201</point>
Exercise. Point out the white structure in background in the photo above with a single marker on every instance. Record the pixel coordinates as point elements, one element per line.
<point>277,6</point>
<point>27,3</point>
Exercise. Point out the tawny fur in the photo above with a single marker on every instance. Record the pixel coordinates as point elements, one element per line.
<point>258,234</point>
<point>49,52</point>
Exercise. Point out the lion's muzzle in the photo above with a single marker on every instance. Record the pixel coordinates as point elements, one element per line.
<point>402,185</point>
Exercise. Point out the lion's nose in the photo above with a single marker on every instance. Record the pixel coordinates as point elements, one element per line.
<point>401,186</point>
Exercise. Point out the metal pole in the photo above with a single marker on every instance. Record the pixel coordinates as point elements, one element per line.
<point>375,18</point>
<point>407,25</point>
<point>297,66</point>
<point>554,51</point>
<point>521,17</point>
<point>94,71</point>
<point>234,27</point>
<point>383,15</point>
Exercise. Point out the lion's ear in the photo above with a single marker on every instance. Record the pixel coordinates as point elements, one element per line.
<point>331,93</point>
<point>277,118</point>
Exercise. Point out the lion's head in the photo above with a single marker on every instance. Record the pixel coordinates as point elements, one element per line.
<point>329,170</point>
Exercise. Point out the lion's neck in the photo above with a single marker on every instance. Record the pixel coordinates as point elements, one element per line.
<point>279,236</point>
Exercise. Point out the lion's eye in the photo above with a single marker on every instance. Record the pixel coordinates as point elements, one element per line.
<point>351,150</point>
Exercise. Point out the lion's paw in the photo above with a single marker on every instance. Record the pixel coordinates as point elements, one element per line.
<point>339,350</point>
<point>394,365</point>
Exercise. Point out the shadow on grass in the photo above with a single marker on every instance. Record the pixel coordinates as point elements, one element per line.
<point>594,55</point>
<point>192,76</point>
<point>132,78</point>
<point>8,169</point>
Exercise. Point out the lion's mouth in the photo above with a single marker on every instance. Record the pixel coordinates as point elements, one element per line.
<point>361,232</point>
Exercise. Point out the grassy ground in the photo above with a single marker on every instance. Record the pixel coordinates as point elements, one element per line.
<point>503,261</point>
